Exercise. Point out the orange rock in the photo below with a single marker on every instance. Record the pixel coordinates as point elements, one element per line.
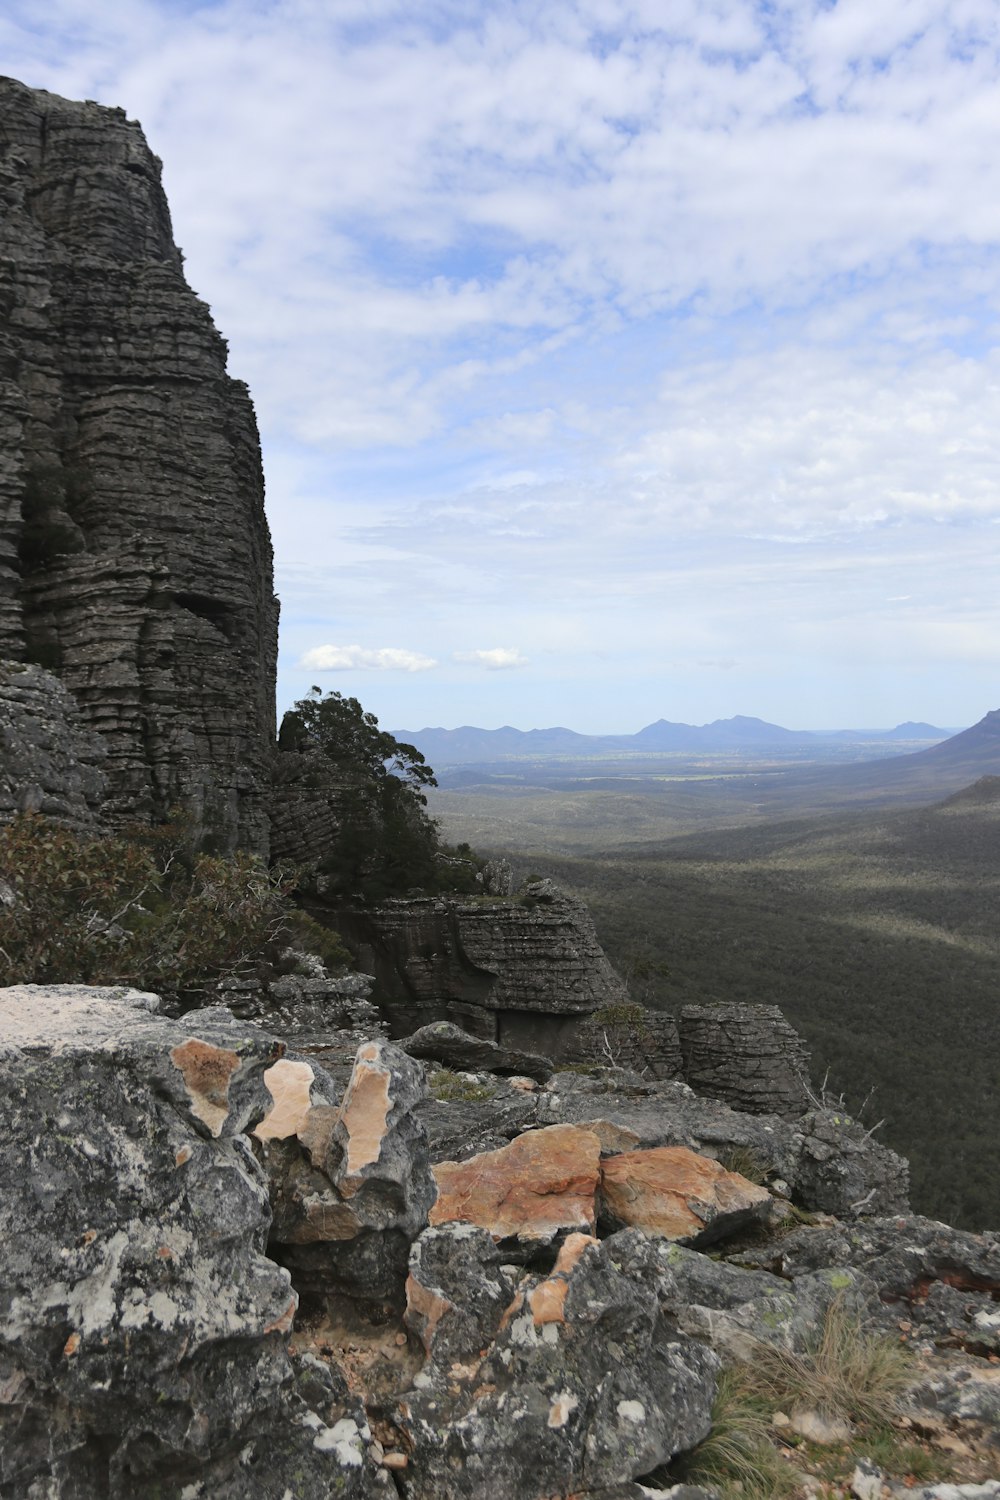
<point>548,1299</point>
<point>674,1192</point>
<point>363,1115</point>
<point>542,1183</point>
<point>207,1071</point>
<point>289,1085</point>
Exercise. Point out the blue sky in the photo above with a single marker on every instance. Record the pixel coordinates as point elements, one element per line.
<point>613,359</point>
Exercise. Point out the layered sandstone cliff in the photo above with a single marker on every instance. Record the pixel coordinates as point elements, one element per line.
<point>524,972</point>
<point>135,562</point>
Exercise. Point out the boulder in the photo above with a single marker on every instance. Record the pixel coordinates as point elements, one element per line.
<point>460,1128</point>
<point>680,1195</point>
<point>539,1187</point>
<point>351,1184</point>
<point>456,1292</point>
<point>747,1055</point>
<point>445,1043</point>
<point>586,1386</point>
<point>945,1282</point>
<point>840,1169</point>
<point>143,1332</point>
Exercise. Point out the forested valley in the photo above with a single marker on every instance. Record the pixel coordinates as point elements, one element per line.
<point>876,934</point>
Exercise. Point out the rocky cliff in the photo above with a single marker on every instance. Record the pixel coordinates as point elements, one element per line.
<point>135,562</point>
<point>524,972</point>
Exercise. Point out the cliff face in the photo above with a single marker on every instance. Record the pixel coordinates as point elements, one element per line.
<point>525,973</point>
<point>135,561</point>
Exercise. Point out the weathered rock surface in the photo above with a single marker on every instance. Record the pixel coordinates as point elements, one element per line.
<point>135,562</point>
<point>143,1332</point>
<point>306,808</point>
<point>630,1036</point>
<point>448,1044</point>
<point>586,1386</point>
<point>521,972</point>
<point>456,1292</point>
<point>49,763</point>
<point>842,1170</point>
<point>539,1187</point>
<point>351,1185</point>
<point>680,1195</point>
<point>828,1162</point>
<point>746,1055</point>
<point>946,1282</point>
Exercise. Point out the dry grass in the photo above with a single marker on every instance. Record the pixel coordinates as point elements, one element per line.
<point>738,1458</point>
<point>850,1372</point>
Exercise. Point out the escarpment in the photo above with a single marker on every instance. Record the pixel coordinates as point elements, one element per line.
<point>524,971</point>
<point>135,561</point>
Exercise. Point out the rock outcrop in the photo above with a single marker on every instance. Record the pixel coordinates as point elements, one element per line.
<point>525,972</point>
<point>144,1333</point>
<point>161,1179</point>
<point>135,562</point>
<point>49,763</point>
<point>747,1055</point>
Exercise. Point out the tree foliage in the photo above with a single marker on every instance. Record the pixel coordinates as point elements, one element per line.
<point>387,843</point>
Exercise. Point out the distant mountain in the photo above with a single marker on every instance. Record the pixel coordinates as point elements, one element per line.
<point>911,731</point>
<point>738,733</point>
<point>948,766</point>
<point>471,746</point>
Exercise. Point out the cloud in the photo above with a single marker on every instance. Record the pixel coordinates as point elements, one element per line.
<point>495,659</point>
<point>364,659</point>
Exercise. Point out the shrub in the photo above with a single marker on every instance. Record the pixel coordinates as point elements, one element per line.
<point>143,910</point>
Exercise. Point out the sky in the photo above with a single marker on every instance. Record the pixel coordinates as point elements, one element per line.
<point>614,360</point>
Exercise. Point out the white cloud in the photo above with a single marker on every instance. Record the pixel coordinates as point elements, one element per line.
<point>495,659</point>
<point>364,659</point>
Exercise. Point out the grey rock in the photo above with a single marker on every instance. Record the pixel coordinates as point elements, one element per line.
<point>307,806</point>
<point>988,1491</point>
<point>734,1309</point>
<point>448,1044</point>
<point>646,1041</point>
<point>464,1128</point>
<point>143,1332</point>
<point>914,1264</point>
<point>965,1395</point>
<point>456,1292</point>
<point>351,1188</point>
<point>49,762</point>
<point>135,563</point>
<point>522,972</point>
<point>747,1055</point>
<point>586,1386</point>
<point>496,878</point>
<point>842,1170</point>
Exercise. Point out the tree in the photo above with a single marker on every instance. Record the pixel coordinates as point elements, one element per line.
<point>387,842</point>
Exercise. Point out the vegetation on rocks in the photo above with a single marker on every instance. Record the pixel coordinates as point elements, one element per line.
<point>143,909</point>
<point>850,1374</point>
<point>387,844</point>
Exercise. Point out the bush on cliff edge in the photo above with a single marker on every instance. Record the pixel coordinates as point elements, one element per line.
<point>141,909</point>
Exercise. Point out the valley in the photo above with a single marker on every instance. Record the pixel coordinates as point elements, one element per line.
<point>855,899</point>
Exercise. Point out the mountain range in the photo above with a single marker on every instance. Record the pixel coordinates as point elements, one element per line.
<point>469,745</point>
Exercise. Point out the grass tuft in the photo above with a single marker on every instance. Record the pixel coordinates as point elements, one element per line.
<point>738,1458</point>
<point>451,1088</point>
<point>849,1372</point>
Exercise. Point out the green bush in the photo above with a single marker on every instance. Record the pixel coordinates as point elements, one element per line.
<point>143,910</point>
